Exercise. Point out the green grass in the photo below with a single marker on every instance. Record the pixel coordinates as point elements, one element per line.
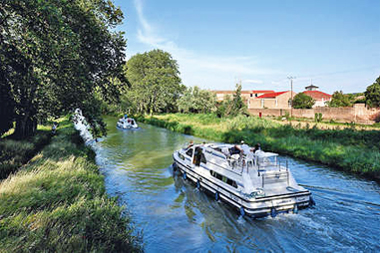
<point>356,151</point>
<point>57,203</point>
<point>13,154</point>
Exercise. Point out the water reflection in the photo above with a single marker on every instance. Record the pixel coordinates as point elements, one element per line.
<point>175,216</point>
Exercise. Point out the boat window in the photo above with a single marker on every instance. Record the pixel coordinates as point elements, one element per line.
<point>189,152</point>
<point>223,178</point>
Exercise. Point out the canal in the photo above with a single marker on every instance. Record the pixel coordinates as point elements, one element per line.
<point>173,216</point>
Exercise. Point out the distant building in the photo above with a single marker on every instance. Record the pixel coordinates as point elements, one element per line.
<point>272,100</point>
<point>321,98</point>
<point>245,94</point>
<point>311,87</point>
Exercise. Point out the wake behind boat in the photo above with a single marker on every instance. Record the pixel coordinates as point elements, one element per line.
<point>127,123</point>
<point>253,182</point>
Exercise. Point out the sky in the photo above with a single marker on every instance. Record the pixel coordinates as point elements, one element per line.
<point>334,44</point>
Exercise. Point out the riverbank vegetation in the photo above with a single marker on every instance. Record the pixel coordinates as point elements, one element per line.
<point>15,153</point>
<point>57,202</point>
<point>355,151</point>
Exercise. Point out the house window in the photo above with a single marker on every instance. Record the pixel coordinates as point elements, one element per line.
<point>262,103</point>
<point>276,102</point>
<point>251,95</point>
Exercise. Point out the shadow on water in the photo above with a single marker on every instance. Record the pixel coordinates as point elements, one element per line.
<point>175,216</point>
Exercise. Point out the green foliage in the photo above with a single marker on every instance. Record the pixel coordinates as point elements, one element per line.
<point>340,100</point>
<point>303,101</point>
<point>13,154</point>
<point>55,55</point>
<point>372,94</point>
<point>196,100</point>
<point>232,107</point>
<point>57,203</point>
<point>318,117</point>
<point>348,149</point>
<point>155,82</point>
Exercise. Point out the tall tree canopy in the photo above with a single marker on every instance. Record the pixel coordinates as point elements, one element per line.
<point>372,94</point>
<point>196,100</point>
<point>55,54</point>
<point>155,82</point>
<point>303,101</point>
<point>340,100</point>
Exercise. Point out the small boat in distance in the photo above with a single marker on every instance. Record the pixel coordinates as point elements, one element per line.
<point>254,182</point>
<point>127,123</point>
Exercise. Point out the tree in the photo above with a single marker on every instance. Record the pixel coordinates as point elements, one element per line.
<point>155,82</point>
<point>372,94</point>
<point>238,106</point>
<point>232,107</point>
<point>340,100</point>
<point>303,101</point>
<point>196,100</point>
<point>55,55</point>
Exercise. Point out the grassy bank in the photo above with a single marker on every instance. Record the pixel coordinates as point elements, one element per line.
<point>13,154</point>
<point>355,151</point>
<point>57,202</point>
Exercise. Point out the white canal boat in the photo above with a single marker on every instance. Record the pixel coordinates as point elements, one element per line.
<point>255,183</point>
<point>127,123</point>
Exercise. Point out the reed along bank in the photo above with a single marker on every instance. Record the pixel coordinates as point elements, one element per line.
<point>57,203</point>
<point>350,150</point>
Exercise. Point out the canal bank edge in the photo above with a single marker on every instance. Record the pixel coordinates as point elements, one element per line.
<point>58,202</point>
<point>353,159</point>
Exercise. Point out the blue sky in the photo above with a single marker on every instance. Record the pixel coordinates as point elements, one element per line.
<point>336,43</point>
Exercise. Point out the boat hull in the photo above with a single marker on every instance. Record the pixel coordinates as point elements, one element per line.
<point>254,207</point>
<point>120,126</point>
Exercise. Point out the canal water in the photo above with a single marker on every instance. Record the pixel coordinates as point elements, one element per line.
<point>173,216</point>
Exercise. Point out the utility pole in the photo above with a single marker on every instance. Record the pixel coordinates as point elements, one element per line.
<point>291,94</point>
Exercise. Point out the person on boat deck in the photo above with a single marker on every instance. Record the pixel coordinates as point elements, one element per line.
<point>246,149</point>
<point>191,143</point>
<point>257,147</point>
<point>235,150</point>
<point>199,157</point>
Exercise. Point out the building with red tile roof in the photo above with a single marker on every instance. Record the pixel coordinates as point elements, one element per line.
<point>246,94</point>
<point>321,98</point>
<point>271,100</point>
<point>272,94</point>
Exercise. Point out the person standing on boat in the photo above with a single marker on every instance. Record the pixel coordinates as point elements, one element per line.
<point>199,157</point>
<point>257,147</point>
<point>246,150</point>
<point>190,144</point>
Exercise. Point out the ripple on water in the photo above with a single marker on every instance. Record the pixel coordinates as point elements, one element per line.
<point>174,216</point>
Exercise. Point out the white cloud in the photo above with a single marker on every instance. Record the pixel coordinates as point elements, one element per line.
<point>206,71</point>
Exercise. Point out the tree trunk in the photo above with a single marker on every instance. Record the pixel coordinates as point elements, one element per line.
<point>25,127</point>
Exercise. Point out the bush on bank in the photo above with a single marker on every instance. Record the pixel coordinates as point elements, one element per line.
<point>356,151</point>
<point>57,203</point>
